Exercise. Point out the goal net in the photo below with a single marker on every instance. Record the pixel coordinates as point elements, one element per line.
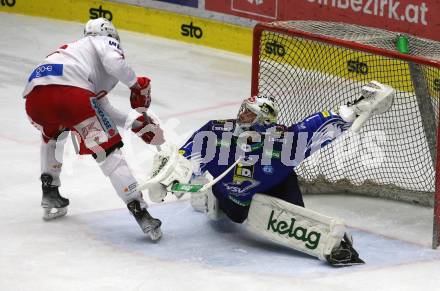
<point>310,66</point>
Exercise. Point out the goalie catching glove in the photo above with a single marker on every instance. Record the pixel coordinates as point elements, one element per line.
<point>376,98</point>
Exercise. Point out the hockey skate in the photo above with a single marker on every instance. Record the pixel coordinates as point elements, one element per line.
<point>54,205</point>
<point>147,223</point>
<point>376,98</point>
<point>344,255</point>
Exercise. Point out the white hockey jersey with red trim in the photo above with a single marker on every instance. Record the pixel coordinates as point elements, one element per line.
<point>95,63</point>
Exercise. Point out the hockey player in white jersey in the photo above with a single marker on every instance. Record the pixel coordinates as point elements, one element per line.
<point>67,92</point>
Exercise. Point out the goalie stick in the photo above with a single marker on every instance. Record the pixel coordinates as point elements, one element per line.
<point>164,171</point>
<point>182,187</point>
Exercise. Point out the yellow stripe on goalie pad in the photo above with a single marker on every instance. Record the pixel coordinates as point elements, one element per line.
<point>295,227</point>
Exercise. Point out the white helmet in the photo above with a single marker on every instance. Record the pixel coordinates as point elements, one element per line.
<point>265,112</point>
<point>100,26</point>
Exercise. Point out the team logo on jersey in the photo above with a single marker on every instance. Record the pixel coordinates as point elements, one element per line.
<point>268,169</point>
<point>240,192</point>
<point>243,172</point>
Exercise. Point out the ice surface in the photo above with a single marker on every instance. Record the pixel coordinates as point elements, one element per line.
<point>98,246</point>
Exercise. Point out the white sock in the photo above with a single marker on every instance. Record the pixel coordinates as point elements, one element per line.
<point>51,157</point>
<point>116,168</point>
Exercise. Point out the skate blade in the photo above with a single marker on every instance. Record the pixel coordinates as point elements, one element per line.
<point>52,213</point>
<point>353,262</point>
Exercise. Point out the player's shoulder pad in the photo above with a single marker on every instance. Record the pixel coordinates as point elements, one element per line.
<point>222,124</point>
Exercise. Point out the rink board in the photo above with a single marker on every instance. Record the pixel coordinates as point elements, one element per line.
<point>186,28</point>
<point>189,237</point>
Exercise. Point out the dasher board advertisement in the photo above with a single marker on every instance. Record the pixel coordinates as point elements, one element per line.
<point>415,17</point>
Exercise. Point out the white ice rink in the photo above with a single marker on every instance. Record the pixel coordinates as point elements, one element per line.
<point>99,246</point>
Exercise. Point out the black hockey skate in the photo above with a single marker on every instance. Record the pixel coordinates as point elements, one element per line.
<point>345,255</point>
<point>147,223</point>
<point>53,203</point>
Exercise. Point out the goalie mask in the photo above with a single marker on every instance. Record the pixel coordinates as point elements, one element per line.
<point>100,26</point>
<point>257,113</point>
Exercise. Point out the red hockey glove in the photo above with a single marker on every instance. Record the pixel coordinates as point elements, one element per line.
<point>140,97</point>
<point>148,131</point>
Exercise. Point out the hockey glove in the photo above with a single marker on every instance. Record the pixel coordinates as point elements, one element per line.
<point>147,130</point>
<point>140,97</point>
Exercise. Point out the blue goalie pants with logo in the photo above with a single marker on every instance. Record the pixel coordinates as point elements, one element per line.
<point>288,190</point>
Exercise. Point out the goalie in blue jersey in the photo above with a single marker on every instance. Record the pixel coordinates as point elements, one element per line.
<point>254,160</point>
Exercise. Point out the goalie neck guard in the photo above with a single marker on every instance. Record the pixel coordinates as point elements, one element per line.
<point>256,113</point>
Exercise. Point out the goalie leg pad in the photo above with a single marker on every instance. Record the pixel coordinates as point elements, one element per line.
<point>207,203</point>
<point>295,227</point>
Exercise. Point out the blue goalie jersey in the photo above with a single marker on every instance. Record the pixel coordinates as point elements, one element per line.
<point>268,159</point>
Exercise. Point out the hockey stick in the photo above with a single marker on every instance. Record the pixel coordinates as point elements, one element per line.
<point>181,187</point>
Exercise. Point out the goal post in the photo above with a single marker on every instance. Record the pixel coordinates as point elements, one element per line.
<point>311,66</point>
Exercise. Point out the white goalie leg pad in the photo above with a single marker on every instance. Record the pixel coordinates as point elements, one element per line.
<point>157,192</point>
<point>295,227</point>
<point>207,203</point>
<point>214,212</point>
<point>199,200</point>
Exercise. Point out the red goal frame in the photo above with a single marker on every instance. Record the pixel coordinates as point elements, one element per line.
<point>257,34</point>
